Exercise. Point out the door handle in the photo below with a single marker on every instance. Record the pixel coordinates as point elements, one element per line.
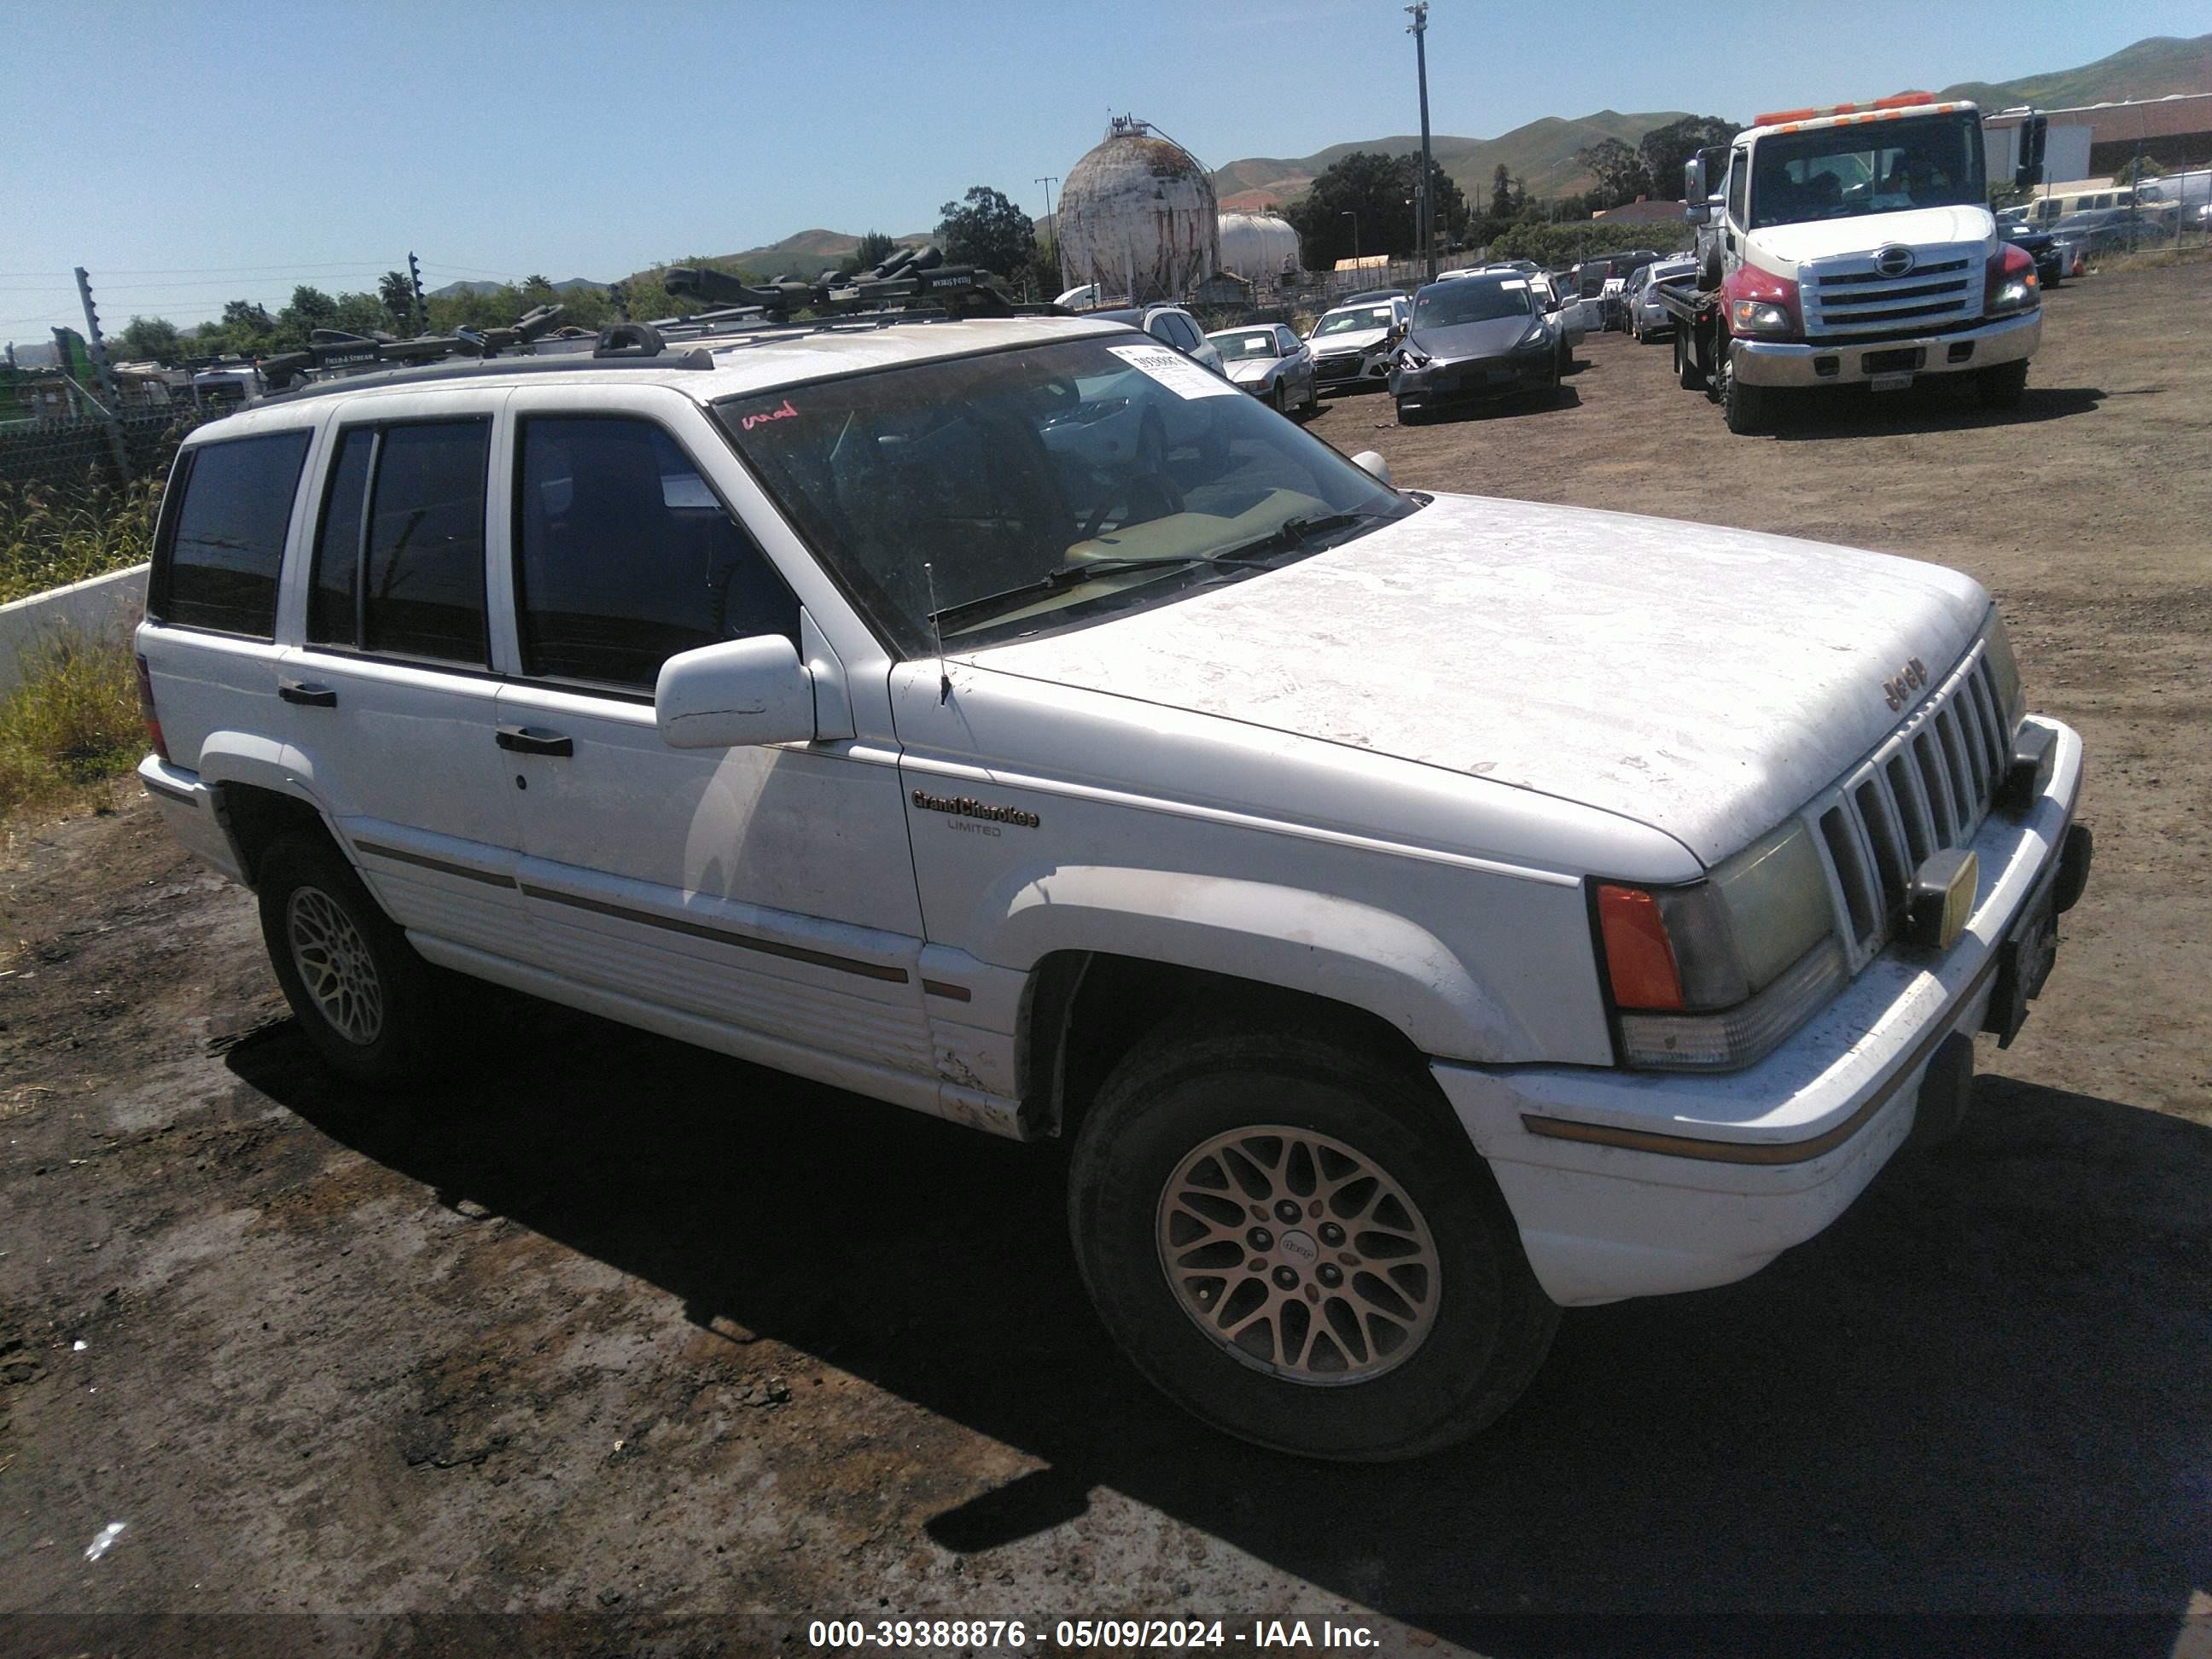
<point>533,740</point>
<point>307,695</point>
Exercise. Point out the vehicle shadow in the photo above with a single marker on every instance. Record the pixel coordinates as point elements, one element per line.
<point>1560,398</point>
<point>1984,1390</point>
<point>1848,411</point>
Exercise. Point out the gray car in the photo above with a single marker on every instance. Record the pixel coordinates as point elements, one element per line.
<point>1647,318</point>
<point>1271,363</point>
<point>1481,337</point>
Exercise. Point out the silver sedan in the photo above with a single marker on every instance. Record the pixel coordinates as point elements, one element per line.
<point>1271,363</point>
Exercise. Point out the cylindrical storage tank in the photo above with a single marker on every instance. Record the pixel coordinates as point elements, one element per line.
<point>1258,245</point>
<point>1137,217</point>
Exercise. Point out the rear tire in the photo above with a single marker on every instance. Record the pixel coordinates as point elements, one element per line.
<point>1455,1324</point>
<point>1686,363</point>
<point>370,1005</point>
<point>2001,387</point>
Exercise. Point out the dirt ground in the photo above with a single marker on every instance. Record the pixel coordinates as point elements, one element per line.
<point>663,1352</point>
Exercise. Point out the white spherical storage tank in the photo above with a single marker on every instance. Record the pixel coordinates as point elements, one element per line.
<point>1137,217</point>
<point>1257,246</point>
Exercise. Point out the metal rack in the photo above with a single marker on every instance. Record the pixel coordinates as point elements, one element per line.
<point>908,287</point>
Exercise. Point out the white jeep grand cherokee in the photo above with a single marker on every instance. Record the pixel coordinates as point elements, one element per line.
<point>1420,913</point>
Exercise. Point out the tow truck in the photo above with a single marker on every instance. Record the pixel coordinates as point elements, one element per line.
<point>1852,245</point>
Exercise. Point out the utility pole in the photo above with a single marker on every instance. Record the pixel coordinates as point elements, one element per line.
<point>1424,212</point>
<point>96,347</point>
<point>1349,214</point>
<point>1060,264</point>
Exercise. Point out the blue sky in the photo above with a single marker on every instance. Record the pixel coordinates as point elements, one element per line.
<point>192,153</point>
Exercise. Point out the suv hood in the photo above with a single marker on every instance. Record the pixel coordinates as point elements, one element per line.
<point>1707,682</point>
<point>1783,248</point>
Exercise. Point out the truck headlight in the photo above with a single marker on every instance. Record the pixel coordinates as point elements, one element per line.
<point>1713,976</point>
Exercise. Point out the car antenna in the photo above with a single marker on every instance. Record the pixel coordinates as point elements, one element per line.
<point>944,679</point>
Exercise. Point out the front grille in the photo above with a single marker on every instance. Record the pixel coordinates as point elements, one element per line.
<point>1848,296</point>
<point>1346,368</point>
<point>1927,788</point>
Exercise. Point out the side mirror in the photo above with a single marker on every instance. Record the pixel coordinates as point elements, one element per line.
<point>1698,213</point>
<point>739,693</point>
<point>1694,188</point>
<point>1373,465</point>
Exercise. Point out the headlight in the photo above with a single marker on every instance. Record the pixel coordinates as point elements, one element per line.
<point>1715,975</point>
<point>1760,317</point>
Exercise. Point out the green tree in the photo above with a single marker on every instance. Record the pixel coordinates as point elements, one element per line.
<point>1501,193</point>
<point>988,231</point>
<point>1666,150</point>
<point>2138,169</point>
<point>245,317</point>
<point>1617,169</point>
<point>396,295</point>
<point>1380,190</point>
<point>155,337</point>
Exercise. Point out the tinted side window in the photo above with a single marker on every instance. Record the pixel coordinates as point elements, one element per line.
<point>1739,185</point>
<point>423,579</point>
<point>219,568</point>
<point>624,557</point>
<point>333,588</point>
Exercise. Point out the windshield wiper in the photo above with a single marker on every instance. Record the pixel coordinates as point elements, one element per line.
<point>1065,575</point>
<point>1297,532</point>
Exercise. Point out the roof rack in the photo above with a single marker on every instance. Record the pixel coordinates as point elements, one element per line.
<point>910,287</point>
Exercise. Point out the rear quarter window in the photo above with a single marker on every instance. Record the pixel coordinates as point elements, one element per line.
<point>216,564</point>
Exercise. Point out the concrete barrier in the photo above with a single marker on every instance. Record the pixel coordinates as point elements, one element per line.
<point>104,606</point>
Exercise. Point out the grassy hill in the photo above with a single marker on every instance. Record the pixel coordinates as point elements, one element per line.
<point>805,255</point>
<point>1542,153</point>
<point>2149,68</point>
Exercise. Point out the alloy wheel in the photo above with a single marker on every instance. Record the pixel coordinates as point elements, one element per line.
<point>335,965</point>
<point>1299,1256</point>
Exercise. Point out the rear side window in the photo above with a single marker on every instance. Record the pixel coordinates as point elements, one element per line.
<point>218,567</point>
<point>398,567</point>
<point>624,557</point>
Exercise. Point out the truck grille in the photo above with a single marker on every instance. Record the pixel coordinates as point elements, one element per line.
<point>1850,297</point>
<point>1927,788</point>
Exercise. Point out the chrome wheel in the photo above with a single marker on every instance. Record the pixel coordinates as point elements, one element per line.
<point>335,965</point>
<point>1299,1256</point>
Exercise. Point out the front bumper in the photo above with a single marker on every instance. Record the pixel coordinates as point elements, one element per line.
<point>1475,380</point>
<point>1347,371</point>
<point>1636,1183</point>
<point>1844,363</point>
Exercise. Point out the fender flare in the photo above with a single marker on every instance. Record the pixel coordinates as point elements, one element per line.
<point>1338,949</point>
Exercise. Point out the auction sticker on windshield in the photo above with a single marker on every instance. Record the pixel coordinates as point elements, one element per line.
<point>1176,372</point>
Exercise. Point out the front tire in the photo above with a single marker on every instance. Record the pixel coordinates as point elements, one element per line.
<point>368,1004</point>
<point>1746,408</point>
<point>1391,1312</point>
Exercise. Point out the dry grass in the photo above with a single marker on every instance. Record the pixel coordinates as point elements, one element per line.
<point>73,722</point>
<point>48,536</point>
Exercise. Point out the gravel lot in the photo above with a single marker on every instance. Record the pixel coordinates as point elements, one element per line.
<point>614,1328</point>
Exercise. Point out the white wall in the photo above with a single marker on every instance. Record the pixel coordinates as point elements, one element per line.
<point>107,605</point>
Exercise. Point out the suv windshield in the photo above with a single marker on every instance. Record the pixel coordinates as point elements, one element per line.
<point>1840,172</point>
<point>1471,300</point>
<point>1259,343</point>
<point>1022,490</point>
<point>1347,321</point>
